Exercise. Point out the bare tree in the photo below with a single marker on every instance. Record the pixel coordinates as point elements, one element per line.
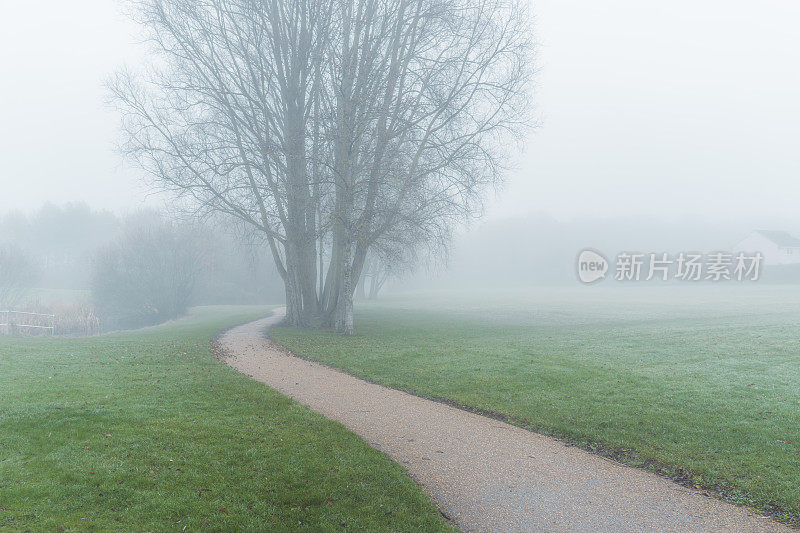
<point>149,274</point>
<point>226,122</point>
<point>425,93</point>
<point>400,251</point>
<point>380,265</point>
<point>329,124</point>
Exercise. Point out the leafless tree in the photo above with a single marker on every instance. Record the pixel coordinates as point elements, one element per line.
<point>328,124</point>
<point>381,265</point>
<point>400,251</point>
<point>149,274</point>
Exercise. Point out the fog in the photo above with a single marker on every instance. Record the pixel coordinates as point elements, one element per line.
<point>683,109</point>
<point>407,265</point>
<point>660,127</point>
<point>57,135</point>
<point>672,110</point>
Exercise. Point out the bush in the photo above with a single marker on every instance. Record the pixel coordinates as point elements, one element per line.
<point>70,320</point>
<point>148,276</point>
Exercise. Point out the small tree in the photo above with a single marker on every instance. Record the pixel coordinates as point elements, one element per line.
<point>17,275</point>
<point>148,276</point>
<point>398,253</point>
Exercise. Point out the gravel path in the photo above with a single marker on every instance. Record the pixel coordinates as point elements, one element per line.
<point>484,474</point>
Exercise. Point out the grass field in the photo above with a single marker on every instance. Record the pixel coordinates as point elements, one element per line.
<point>701,383</point>
<point>146,431</point>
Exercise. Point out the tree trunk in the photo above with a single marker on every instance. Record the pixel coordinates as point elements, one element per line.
<point>374,287</point>
<point>344,304</point>
<point>379,277</point>
<point>361,290</point>
<point>308,283</point>
<point>302,308</point>
<point>293,305</point>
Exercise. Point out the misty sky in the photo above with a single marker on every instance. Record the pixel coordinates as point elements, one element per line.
<point>660,108</point>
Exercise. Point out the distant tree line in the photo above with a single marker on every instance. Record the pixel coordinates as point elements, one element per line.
<point>17,274</point>
<point>59,240</point>
<point>142,269</point>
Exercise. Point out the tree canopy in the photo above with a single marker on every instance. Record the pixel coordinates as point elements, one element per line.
<point>330,127</point>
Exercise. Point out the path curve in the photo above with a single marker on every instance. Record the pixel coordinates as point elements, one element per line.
<point>484,474</point>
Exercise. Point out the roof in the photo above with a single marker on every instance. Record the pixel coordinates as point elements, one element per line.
<point>781,238</point>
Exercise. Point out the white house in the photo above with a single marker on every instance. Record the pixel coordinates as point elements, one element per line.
<point>777,247</point>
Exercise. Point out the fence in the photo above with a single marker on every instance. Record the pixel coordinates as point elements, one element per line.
<point>23,319</point>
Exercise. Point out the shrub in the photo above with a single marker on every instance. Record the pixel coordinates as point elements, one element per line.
<point>69,319</point>
<point>149,274</point>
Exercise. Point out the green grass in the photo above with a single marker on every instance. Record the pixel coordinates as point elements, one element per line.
<point>701,383</point>
<point>146,431</point>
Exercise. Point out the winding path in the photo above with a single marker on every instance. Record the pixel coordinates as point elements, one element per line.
<point>484,474</point>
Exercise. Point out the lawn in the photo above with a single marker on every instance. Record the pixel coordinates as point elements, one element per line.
<point>147,431</point>
<point>701,383</point>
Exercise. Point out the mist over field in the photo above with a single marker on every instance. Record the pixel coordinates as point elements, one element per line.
<point>641,145</point>
<point>637,141</point>
<point>541,250</point>
<point>400,265</point>
<point>666,112</point>
<point>496,253</point>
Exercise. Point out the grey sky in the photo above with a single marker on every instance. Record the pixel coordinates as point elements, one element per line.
<point>669,109</point>
<point>57,136</point>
